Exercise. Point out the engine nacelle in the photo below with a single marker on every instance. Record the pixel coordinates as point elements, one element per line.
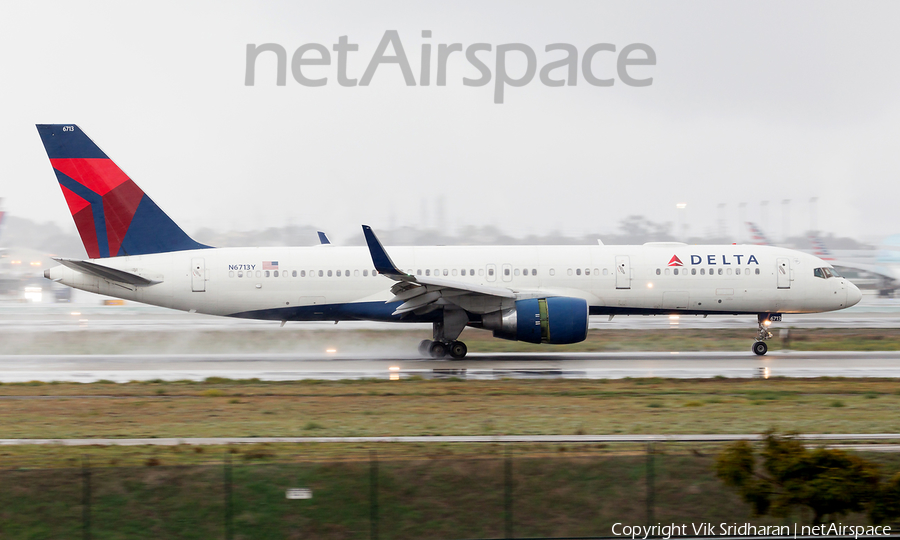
<point>557,320</point>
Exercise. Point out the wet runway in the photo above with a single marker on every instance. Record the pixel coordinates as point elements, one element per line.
<point>279,367</point>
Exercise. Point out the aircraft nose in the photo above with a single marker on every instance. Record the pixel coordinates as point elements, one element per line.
<point>853,295</point>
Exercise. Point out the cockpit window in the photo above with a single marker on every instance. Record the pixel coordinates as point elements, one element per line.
<point>826,273</point>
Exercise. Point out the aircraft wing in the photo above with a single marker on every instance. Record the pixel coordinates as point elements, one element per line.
<point>105,272</point>
<point>425,293</point>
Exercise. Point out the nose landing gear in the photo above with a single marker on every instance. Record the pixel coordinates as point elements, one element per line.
<point>764,319</point>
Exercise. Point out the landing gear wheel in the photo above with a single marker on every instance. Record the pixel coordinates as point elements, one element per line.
<point>437,350</point>
<point>424,347</point>
<point>458,349</point>
<point>760,348</point>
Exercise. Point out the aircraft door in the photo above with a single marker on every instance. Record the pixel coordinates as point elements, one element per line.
<point>507,272</point>
<point>198,274</point>
<point>491,272</point>
<point>784,273</point>
<point>623,272</point>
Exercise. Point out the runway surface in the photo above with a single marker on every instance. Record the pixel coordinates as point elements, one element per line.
<point>281,367</point>
<point>469,439</point>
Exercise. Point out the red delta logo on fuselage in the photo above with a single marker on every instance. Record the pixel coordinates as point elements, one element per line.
<point>714,260</point>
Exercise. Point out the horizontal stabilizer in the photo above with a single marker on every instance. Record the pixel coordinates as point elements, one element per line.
<point>105,272</point>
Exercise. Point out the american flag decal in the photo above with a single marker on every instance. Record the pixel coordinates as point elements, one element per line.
<point>270,265</point>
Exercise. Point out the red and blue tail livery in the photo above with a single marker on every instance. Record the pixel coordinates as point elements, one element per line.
<point>113,215</point>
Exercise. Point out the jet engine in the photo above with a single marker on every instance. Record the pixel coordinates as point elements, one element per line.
<point>556,320</point>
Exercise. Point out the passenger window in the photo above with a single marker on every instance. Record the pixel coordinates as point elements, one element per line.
<point>231,274</point>
<point>446,271</point>
<point>587,271</point>
<point>480,272</point>
<point>569,271</point>
<point>703,271</point>
<point>693,271</point>
<point>552,272</point>
<point>658,271</point>
<point>366,273</point>
<point>720,271</point>
<point>737,271</point>
<point>356,273</point>
<point>729,271</point>
<point>517,271</point>
<point>258,273</point>
<point>320,273</point>
<point>506,271</point>
<point>534,271</point>
<point>302,273</point>
<point>490,271</point>
<point>338,273</point>
<point>267,273</point>
<point>454,271</point>
<point>667,271</point>
<point>605,272</point>
<point>428,272</point>
<point>347,273</point>
<point>275,273</point>
<point>240,274</point>
<point>674,270</point>
<point>437,272</point>
<point>757,271</point>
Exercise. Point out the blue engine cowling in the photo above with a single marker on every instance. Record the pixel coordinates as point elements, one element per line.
<point>557,320</point>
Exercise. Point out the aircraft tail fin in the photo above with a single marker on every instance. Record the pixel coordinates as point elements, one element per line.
<point>757,237</point>
<point>113,215</point>
<point>819,249</point>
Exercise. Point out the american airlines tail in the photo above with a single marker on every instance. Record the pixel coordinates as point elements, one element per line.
<point>757,237</point>
<point>113,215</point>
<point>820,250</point>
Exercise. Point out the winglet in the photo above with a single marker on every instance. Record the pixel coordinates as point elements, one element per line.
<point>380,258</point>
<point>323,238</point>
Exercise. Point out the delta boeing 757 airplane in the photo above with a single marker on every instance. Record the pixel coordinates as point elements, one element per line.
<point>536,294</point>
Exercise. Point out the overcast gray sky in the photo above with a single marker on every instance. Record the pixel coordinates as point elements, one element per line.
<point>750,101</point>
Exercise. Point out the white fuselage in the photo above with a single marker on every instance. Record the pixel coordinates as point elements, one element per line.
<point>339,283</point>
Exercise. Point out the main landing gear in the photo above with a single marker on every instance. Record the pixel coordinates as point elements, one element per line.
<point>440,349</point>
<point>445,333</point>
<point>764,319</point>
